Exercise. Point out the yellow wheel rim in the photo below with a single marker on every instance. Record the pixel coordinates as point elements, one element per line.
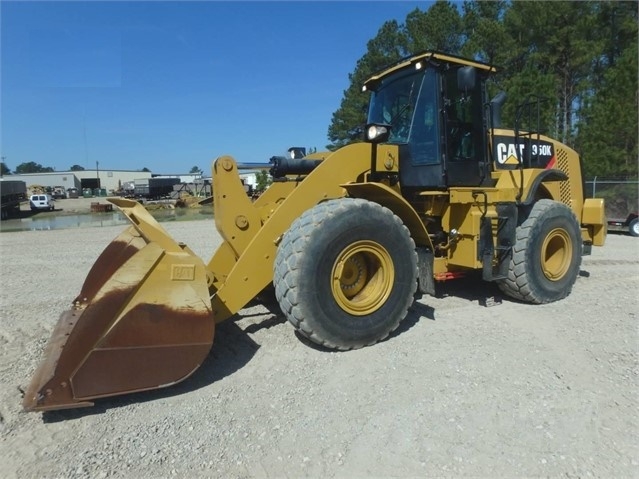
<point>556,254</point>
<point>362,278</point>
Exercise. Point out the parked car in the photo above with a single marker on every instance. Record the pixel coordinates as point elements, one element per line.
<point>58,193</point>
<point>41,202</point>
<point>630,224</point>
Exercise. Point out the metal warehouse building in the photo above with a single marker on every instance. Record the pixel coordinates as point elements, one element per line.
<point>110,180</point>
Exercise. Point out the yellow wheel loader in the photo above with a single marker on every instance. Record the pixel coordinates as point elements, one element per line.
<point>347,238</point>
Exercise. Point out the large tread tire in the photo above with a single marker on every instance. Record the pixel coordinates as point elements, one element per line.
<point>633,228</point>
<point>346,273</point>
<point>546,256</point>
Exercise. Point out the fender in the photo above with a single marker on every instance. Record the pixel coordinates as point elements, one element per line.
<point>544,176</point>
<point>391,199</point>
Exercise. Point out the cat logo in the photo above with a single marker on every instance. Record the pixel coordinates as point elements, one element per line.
<point>507,153</point>
<point>512,154</point>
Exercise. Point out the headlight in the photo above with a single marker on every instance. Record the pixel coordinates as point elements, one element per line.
<point>376,133</point>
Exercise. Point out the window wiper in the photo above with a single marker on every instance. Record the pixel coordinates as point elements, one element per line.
<point>401,111</point>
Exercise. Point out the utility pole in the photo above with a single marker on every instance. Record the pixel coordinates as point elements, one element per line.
<point>97,172</point>
<point>2,169</point>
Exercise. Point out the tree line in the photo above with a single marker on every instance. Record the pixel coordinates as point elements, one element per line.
<point>33,167</point>
<point>580,56</point>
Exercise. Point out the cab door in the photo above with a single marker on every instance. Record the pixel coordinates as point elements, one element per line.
<point>465,162</point>
<point>420,156</point>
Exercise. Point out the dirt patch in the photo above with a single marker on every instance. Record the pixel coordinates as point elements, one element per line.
<point>459,390</point>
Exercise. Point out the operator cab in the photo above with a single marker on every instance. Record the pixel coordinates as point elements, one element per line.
<point>432,107</point>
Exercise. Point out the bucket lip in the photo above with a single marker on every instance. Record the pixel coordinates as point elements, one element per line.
<point>54,384</point>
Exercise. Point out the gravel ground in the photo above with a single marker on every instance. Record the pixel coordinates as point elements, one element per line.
<point>460,390</point>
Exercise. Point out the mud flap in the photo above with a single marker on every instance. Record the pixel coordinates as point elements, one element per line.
<point>143,320</point>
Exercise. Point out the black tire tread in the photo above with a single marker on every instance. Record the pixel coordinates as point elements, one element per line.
<point>291,251</point>
<point>517,284</point>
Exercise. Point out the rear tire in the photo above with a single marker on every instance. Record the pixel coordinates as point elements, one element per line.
<point>346,273</point>
<point>633,227</point>
<point>546,256</point>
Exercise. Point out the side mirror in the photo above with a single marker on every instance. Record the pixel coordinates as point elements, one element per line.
<point>466,78</point>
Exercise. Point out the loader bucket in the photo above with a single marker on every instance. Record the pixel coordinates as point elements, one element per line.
<point>143,320</point>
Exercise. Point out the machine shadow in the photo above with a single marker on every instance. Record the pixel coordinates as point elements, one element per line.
<point>470,287</point>
<point>232,349</point>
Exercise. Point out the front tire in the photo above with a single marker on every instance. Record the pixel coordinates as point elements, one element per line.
<point>346,273</point>
<point>546,256</point>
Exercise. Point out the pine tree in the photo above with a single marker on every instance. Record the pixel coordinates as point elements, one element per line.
<point>554,44</point>
<point>580,56</point>
<point>385,48</point>
<point>439,28</point>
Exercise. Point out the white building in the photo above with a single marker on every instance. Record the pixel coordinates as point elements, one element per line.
<point>109,180</point>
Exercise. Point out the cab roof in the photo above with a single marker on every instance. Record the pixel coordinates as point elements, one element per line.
<point>428,56</point>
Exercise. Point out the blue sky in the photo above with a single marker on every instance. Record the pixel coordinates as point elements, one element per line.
<point>172,85</point>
